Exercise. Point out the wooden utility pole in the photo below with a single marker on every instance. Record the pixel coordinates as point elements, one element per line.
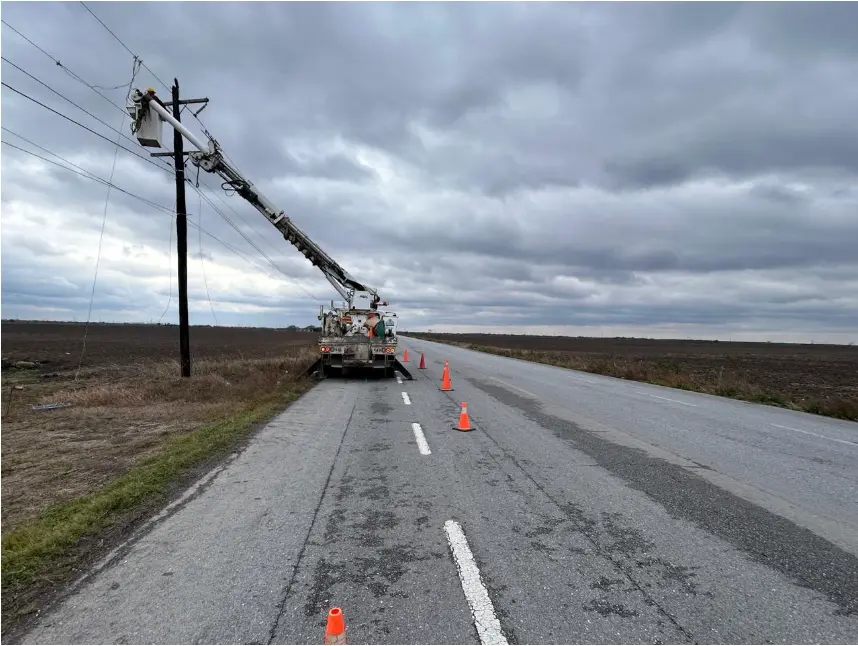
<point>181,237</point>
<point>178,156</point>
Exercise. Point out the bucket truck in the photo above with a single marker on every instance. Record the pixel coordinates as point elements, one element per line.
<point>352,337</point>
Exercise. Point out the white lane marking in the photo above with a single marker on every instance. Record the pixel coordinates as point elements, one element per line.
<point>398,378</point>
<point>824,437</point>
<point>406,399</point>
<point>527,392</point>
<point>589,381</point>
<point>483,611</point>
<point>668,399</point>
<point>422,444</point>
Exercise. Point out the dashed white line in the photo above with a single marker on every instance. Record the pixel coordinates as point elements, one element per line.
<point>406,399</point>
<point>824,437</point>
<point>485,619</point>
<point>668,399</point>
<point>398,378</point>
<point>422,444</point>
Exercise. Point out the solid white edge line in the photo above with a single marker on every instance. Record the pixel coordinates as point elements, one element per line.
<point>668,399</point>
<point>824,437</point>
<point>482,610</point>
<point>422,444</point>
<point>406,399</point>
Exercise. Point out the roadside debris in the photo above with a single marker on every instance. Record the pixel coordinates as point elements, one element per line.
<point>37,408</point>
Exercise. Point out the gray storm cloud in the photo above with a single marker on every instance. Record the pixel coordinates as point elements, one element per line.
<point>644,167</point>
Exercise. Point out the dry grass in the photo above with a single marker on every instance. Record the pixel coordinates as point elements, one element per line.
<point>71,476</point>
<point>119,416</point>
<point>670,372</point>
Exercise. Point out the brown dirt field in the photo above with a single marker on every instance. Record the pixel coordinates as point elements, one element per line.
<point>816,378</point>
<point>127,402</point>
<point>59,344</point>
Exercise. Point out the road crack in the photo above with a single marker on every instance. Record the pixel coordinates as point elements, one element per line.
<point>288,589</point>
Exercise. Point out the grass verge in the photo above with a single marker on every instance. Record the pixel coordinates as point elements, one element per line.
<point>29,549</point>
<point>668,372</point>
<point>226,400</point>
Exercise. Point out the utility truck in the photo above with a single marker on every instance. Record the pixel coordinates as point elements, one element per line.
<point>354,335</point>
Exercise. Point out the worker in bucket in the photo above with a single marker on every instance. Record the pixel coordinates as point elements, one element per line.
<point>375,325</point>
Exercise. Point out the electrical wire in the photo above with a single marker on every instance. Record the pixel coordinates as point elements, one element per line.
<point>82,172</point>
<point>206,132</point>
<point>150,161</point>
<point>250,224</point>
<point>140,63</point>
<point>68,71</point>
<point>249,241</point>
<point>87,175</point>
<point>110,184</point>
<point>80,125</point>
<point>202,260</point>
<point>84,110</point>
<point>119,40</point>
<point>169,254</point>
<point>134,69</point>
<point>234,226</point>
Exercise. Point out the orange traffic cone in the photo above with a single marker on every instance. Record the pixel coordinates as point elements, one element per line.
<point>422,362</point>
<point>335,631</point>
<point>464,420</point>
<point>405,356</point>
<point>445,378</point>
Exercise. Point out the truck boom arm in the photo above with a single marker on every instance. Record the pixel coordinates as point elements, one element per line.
<point>209,158</point>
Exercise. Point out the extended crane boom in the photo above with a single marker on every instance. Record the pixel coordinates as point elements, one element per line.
<point>354,336</point>
<point>209,158</point>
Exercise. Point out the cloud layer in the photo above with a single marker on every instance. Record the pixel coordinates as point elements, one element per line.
<point>658,170</point>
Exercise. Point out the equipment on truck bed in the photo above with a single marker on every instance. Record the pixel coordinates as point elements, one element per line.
<point>347,341</point>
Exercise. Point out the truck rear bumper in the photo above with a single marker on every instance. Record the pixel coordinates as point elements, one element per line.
<point>382,364</point>
<point>351,361</point>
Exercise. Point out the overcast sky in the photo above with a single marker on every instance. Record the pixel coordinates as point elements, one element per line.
<point>602,168</point>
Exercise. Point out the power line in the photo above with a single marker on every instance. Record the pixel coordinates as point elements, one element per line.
<point>32,143</point>
<point>80,125</point>
<point>223,201</point>
<point>119,40</point>
<point>240,216</point>
<point>205,130</point>
<point>142,64</point>
<point>98,253</point>
<point>134,69</point>
<point>160,207</point>
<point>68,71</point>
<point>65,98</point>
<point>85,173</point>
<point>169,254</point>
<point>146,159</point>
<point>108,29</point>
<point>249,241</point>
<point>202,260</point>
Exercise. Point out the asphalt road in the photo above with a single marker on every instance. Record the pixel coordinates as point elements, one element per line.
<point>581,509</point>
